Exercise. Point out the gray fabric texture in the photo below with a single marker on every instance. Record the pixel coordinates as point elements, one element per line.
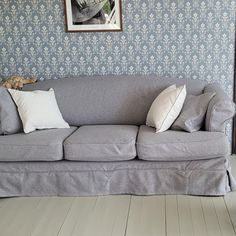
<point>110,100</point>
<point>43,145</point>
<point>10,122</point>
<point>102,143</point>
<point>179,146</point>
<point>221,108</point>
<point>114,100</point>
<point>193,113</point>
<point>69,178</point>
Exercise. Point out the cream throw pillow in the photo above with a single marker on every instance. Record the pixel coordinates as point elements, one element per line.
<point>166,108</point>
<point>38,110</point>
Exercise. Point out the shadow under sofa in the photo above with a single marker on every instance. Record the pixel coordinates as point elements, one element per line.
<point>109,150</point>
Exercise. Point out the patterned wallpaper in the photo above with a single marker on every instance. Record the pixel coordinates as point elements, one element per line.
<point>169,38</point>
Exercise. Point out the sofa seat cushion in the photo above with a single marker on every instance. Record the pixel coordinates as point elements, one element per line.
<point>44,145</point>
<point>180,146</point>
<point>102,143</point>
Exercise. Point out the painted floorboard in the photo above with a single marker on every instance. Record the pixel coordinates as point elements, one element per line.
<point>198,221</point>
<point>22,222</point>
<point>109,217</point>
<point>3,201</point>
<point>8,212</point>
<point>78,217</point>
<point>185,217</point>
<point>230,201</point>
<point>52,213</point>
<point>172,216</point>
<point>226,226</point>
<point>105,216</point>
<point>146,216</point>
<point>210,216</point>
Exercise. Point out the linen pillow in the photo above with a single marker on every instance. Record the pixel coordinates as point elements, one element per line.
<point>193,113</point>
<point>38,110</point>
<point>166,108</point>
<point>10,122</point>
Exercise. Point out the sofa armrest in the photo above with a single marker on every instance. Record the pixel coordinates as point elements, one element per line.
<point>220,109</point>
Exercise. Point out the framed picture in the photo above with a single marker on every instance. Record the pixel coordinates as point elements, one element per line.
<point>93,15</point>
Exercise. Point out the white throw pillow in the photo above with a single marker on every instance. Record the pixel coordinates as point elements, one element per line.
<point>38,109</point>
<point>166,108</point>
<point>150,121</point>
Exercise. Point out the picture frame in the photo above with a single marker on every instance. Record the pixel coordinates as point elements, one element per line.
<point>93,15</point>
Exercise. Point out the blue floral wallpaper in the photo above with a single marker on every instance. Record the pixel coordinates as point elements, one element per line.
<point>169,38</point>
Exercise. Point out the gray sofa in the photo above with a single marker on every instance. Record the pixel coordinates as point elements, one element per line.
<point>109,150</point>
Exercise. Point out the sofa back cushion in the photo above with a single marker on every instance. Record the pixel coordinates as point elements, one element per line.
<point>109,99</point>
<point>10,122</point>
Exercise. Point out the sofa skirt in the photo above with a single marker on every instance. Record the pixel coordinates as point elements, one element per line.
<point>211,177</point>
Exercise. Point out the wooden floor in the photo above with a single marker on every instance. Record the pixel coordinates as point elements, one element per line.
<point>119,216</point>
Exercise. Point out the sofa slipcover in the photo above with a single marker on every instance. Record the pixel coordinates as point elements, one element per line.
<point>179,146</point>
<point>76,178</point>
<point>120,100</point>
<point>43,145</point>
<point>102,143</point>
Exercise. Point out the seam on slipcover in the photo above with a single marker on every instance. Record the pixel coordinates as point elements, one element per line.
<point>222,131</point>
<point>200,141</point>
<point>211,115</point>
<point>36,145</point>
<point>210,118</point>
<point>180,157</point>
<point>33,161</point>
<point>129,141</point>
<point>94,157</point>
<point>80,171</point>
<point>76,128</point>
